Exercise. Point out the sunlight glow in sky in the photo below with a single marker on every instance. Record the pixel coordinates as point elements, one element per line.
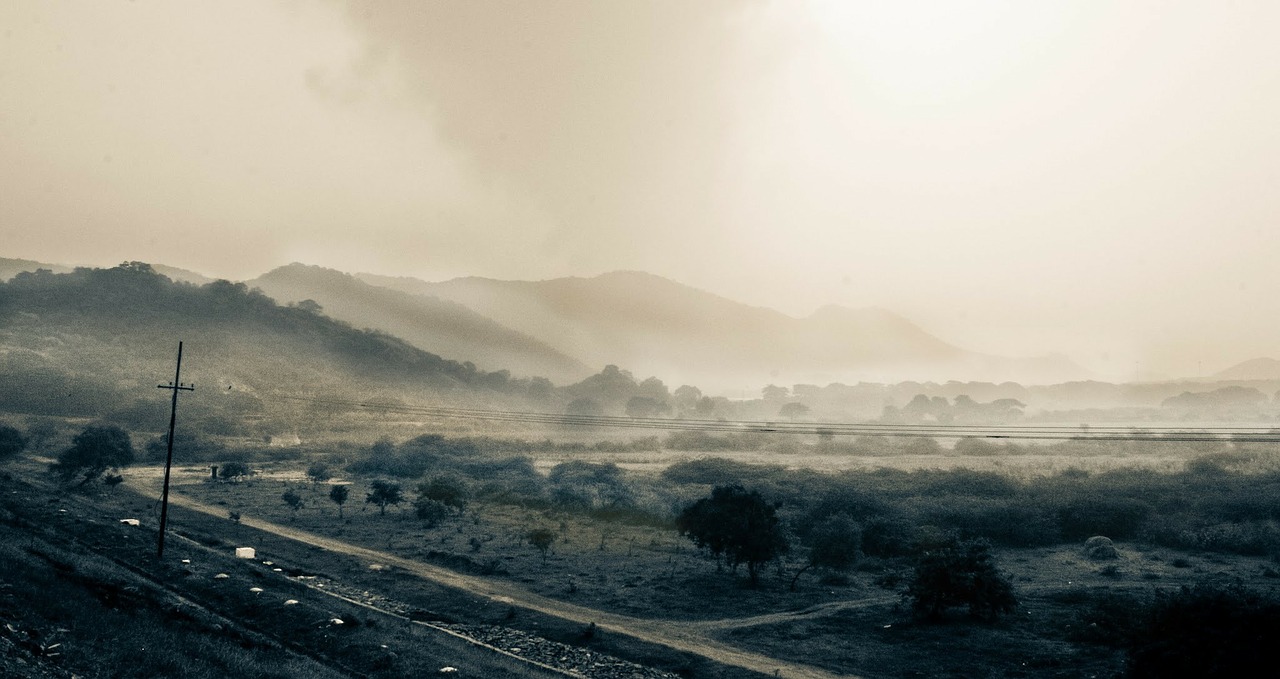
<point>1085,177</point>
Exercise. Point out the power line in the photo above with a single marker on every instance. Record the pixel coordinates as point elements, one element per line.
<point>1013,432</point>
<point>176,386</point>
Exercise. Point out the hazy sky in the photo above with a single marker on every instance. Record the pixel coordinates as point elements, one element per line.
<point>1095,178</point>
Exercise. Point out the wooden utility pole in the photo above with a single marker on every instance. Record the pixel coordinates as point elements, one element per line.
<point>176,386</point>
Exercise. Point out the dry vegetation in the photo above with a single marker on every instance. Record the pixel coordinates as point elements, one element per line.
<point>1179,516</point>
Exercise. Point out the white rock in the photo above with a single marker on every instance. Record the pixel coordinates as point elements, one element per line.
<point>221,576</point>
<point>255,590</point>
<point>291,602</point>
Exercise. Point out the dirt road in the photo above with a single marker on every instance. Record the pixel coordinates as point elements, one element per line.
<point>690,637</point>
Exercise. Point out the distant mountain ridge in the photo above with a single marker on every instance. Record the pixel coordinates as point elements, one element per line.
<point>442,327</point>
<point>1252,369</point>
<point>12,267</point>
<point>656,326</point>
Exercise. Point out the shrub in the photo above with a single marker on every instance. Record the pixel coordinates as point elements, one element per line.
<point>93,451</point>
<point>1118,518</point>
<point>293,499</point>
<point>959,574</point>
<point>448,491</point>
<point>430,511</point>
<point>1207,632</point>
<point>234,471</point>
<point>12,442</point>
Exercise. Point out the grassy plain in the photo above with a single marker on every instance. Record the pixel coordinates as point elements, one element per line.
<point>853,623</point>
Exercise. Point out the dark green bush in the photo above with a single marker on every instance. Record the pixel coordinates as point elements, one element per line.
<point>1207,631</point>
<point>960,573</point>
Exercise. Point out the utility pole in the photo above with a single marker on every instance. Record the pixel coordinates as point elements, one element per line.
<point>176,386</point>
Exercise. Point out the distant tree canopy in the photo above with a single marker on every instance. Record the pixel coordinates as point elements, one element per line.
<point>613,390</point>
<point>583,407</point>
<point>187,447</point>
<point>645,406</point>
<point>773,392</point>
<point>687,397</point>
<point>93,451</point>
<point>793,410</point>
<point>588,485</point>
<point>738,524</point>
<point>12,442</point>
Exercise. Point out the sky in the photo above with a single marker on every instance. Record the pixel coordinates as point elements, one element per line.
<point>1093,178</point>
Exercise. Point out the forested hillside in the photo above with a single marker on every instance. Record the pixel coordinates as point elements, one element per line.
<point>96,342</point>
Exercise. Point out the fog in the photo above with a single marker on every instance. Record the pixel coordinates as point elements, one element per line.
<point>1088,179</point>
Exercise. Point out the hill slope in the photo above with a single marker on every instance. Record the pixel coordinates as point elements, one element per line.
<point>429,323</point>
<point>1252,369</point>
<point>95,342</point>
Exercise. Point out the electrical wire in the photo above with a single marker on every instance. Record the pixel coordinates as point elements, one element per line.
<point>1084,432</point>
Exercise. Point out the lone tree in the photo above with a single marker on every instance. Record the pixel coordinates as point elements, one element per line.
<point>960,573</point>
<point>94,451</point>
<point>338,495</point>
<point>12,442</point>
<point>740,525</point>
<point>542,539</point>
<point>384,493</point>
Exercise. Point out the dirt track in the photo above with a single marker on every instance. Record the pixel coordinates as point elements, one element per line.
<point>690,637</point>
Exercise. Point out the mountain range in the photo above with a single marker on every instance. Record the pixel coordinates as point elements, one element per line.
<point>656,326</point>
<point>567,328</point>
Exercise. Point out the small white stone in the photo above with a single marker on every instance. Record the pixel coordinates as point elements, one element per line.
<point>336,621</point>
<point>221,576</point>
<point>255,590</point>
<point>291,602</point>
